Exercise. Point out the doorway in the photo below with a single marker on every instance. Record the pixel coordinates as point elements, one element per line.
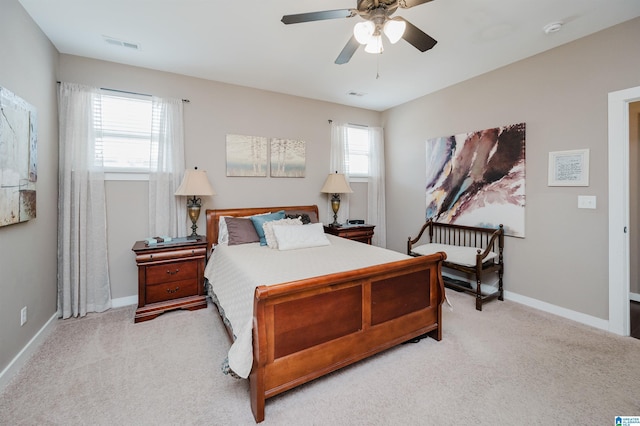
<point>634,219</point>
<point>619,226</point>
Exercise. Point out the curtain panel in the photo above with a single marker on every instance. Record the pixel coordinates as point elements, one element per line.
<point>83,272</point>
<point>376,206</point>
<point>338,163</point>
<point>167,213</point>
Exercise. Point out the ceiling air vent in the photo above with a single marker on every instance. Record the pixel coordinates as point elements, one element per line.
<point>115,42</point>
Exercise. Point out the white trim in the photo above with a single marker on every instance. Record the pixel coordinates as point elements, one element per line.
<point>124,301</point>
<point>619,209</point>
<point>557,310</point>
<point>634,296</point>
<point>126,176</point>
<point>23,356</point>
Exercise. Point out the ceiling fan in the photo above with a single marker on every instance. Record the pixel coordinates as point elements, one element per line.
<point>377,20</point>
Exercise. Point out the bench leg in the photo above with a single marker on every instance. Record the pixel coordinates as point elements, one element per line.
<point>500,289</point>
<point>478,293</point>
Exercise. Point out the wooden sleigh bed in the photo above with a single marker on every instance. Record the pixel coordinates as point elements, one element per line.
<point>304,329</point>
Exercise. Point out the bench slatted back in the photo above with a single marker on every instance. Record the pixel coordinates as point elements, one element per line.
<point>466,236</point>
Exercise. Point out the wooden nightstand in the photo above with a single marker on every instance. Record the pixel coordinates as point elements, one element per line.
<point>170,276</point>
<point>362,233</point>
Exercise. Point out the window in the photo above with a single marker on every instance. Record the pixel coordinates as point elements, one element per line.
<point>123,133</point>
<point>359,152</point>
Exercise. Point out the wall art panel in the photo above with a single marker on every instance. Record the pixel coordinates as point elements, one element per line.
<point>18,159</point>
<point>478,178</point>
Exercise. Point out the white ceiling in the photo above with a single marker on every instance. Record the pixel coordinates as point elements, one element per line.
<point>244,42</point>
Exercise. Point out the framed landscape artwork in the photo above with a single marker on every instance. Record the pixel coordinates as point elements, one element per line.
<point>287,158</point>
<point>246,155</point>
<point>478,178</point>
<point>18,159</point>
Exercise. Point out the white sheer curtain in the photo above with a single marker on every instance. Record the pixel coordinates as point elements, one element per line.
<point>83,272</point>
<point>376,198</point>
<point>167,214</point>
<point>338,163</point>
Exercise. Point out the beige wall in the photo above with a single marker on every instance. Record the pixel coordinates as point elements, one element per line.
<point>562,96</point>
<point>216,109</point>
<point>28,250</point>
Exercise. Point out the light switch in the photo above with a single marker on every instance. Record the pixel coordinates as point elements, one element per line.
<point>586,201</point>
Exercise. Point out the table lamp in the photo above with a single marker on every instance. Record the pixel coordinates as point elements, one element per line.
<point>194,183</point>
<point>336,184</point>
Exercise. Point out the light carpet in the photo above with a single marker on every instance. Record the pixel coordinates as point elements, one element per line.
<point>508,364</point>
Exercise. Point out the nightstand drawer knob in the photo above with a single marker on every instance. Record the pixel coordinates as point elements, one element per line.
<point>173,272</point>
<point>175,290</point>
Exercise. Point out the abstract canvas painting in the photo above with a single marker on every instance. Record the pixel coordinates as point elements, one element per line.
<point>478,178</point>
<point>18,159</point>
<point>246,155</point>
<point>287,158</point>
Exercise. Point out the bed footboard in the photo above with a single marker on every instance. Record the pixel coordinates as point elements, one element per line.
<point>305,329</point>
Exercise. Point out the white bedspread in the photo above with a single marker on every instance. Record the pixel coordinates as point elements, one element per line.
<point>235,271</point>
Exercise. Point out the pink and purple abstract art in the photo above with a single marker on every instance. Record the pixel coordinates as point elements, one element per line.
<point>478,178</point>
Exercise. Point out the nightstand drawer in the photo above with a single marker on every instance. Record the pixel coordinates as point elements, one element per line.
<point>169,291</point>
<point>174,271</point>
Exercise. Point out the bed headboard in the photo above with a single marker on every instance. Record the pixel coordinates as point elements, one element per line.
<point>213,217</point>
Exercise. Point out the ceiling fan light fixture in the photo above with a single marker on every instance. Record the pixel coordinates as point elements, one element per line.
<point>374,45</point>
<point>363,31</point>
<point>394,29</point>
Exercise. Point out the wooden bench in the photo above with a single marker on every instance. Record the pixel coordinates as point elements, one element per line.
<point>475,251</point>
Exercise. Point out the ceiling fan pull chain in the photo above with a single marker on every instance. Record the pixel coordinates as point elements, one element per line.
<point>378,66</point>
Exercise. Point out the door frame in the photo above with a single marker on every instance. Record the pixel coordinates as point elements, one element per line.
<point>619,226</point>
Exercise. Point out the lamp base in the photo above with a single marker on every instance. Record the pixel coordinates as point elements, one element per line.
<point>193,210</point>
<point>335,206</point>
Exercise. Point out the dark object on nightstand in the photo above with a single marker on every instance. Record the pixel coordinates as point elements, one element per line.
<point>362,233</point>
<point>170,276</point>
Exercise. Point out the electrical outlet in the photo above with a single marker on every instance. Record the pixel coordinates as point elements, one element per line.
<point>23,316</point>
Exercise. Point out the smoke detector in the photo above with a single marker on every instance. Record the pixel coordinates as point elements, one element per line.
<point>552,27</point>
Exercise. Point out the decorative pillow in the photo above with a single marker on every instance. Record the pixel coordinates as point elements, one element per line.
<point>258,221</point>
<point>268,229</point>
<point>241,231</point>
<point>298,237</point>
<point>223,233</point>
<point>303,217</point>
<point>313,218</point>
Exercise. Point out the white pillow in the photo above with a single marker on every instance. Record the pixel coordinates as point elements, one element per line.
<point>223,232</point>
<point>268,229</point>
<point>297,237</point>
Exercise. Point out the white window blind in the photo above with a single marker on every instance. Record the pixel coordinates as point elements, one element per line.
<point>123,130</point>
<point>359,152</point>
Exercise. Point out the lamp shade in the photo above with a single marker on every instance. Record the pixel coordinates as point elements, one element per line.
<point>363,31</point>
<point>374,45</point>
<point>195,182</point>
<point>336,184</point>
<point>394,29</point>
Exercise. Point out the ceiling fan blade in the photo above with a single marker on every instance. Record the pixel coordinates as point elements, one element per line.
<point>406,4</point>
<point>317,16</point>
<point>348,51</point>
<point>418,38</point>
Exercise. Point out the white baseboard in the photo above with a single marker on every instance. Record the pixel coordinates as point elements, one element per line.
<point>635,297</point>
<point>23,356</point>
<point>124,301</point>
<point>557,310</point>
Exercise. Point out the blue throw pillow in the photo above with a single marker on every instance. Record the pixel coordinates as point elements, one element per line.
<point>258,221</point>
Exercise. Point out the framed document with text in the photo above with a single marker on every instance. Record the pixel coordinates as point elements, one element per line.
<point>569,168</point>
